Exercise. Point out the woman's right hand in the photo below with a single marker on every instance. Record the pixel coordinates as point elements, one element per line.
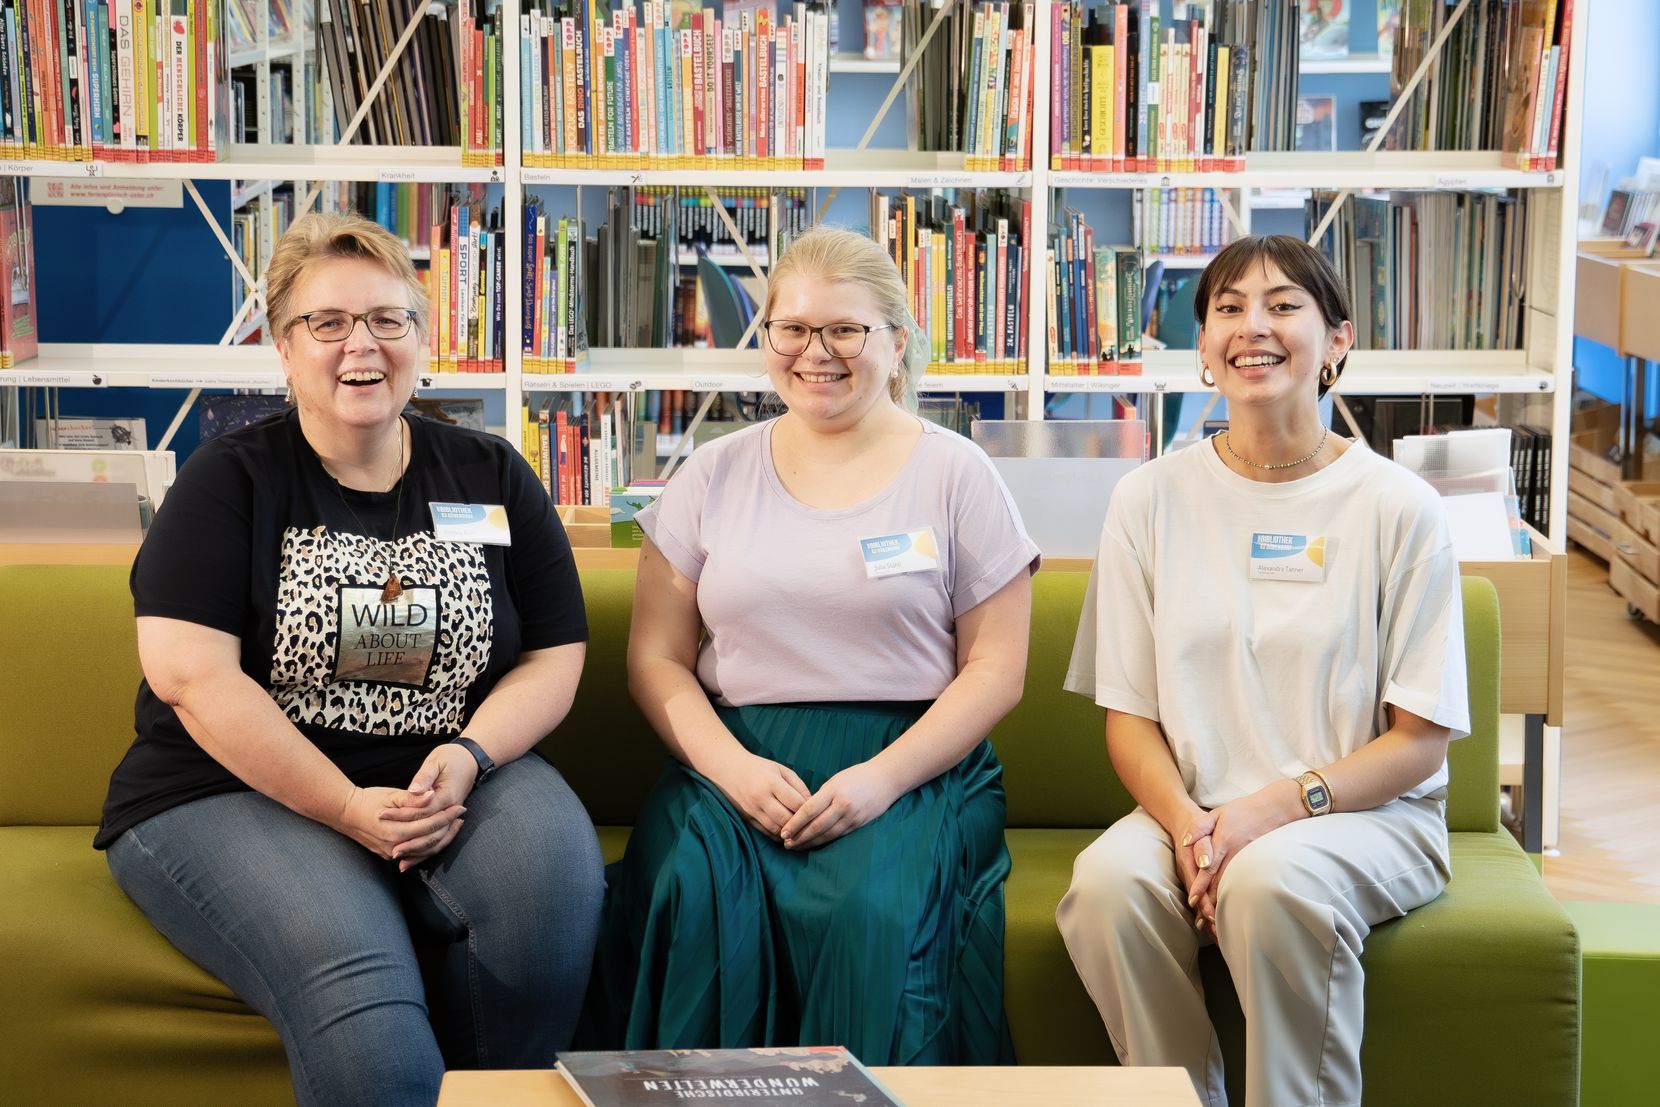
<point>361,821</point>
<point>1189,845</point>
<point>765,793</point>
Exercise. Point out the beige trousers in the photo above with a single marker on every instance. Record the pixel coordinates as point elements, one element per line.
<point>1293,912</point>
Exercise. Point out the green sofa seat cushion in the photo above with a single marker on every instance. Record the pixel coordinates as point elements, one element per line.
<point>94,995</point>
<point>1474,962</point>
<point>1620,943</point>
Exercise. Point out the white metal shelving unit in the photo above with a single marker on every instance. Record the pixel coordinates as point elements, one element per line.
<point>1542,370</point>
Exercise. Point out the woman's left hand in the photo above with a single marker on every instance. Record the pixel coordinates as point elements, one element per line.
<point>847,801</point>
<point>444,779</point>
<point>1237,825</point>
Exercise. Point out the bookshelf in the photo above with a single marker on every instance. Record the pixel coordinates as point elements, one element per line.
<point>1531,384</point>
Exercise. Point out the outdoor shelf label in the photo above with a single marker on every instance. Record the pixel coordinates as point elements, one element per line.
<point>217,380</point>
<point>53,380</point>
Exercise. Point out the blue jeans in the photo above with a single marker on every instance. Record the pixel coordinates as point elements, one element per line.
<point>341,951</point>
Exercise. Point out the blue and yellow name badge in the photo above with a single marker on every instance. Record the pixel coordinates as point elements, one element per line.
<point>483,523</point>
<point>913,551</point>
<point>1295,557</point>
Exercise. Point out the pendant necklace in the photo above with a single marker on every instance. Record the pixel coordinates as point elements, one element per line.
<point>393,587</point>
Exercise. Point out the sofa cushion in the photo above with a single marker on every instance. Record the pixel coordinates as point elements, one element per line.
<point>69,653</point>
<point>1495,955</point>
<point>1621,954</point>
<point>95,996</point>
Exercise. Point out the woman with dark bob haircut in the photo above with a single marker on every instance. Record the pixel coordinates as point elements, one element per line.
<point>1276,633</point>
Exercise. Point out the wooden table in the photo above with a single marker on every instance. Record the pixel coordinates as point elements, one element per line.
<point>1011,1086</point>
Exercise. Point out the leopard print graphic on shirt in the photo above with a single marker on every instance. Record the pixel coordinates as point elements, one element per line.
<point>315,564</point>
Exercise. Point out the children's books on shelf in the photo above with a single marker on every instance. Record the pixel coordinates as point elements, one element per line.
<point>1132,92</point>
<point>1325,29</point>
<point>973,90</point>
<point>1095,295</point>
<point>964,256</point>
<point>443,89</point>
<point>113,80</point>
<point>1499,83</point>
<point>1431,270</point>
<point>662,86</point>
<point>1181,221</point>
<point>467,282</point>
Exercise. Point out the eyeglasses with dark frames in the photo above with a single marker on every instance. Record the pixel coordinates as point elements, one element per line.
<point>840,340</point>
<point>330,325</point>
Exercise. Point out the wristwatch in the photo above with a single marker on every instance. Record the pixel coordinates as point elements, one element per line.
<point>486,765</point>
<point>1316,793</point>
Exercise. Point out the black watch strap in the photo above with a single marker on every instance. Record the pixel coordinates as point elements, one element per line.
<point>486,765</point>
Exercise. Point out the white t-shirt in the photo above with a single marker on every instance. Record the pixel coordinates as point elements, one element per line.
<point>1254,680</point>
<point>789,612</point>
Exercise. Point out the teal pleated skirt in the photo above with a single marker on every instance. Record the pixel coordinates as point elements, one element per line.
<point>889,940</point>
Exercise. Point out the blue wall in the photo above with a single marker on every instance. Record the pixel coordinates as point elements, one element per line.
<point>1621,124</point>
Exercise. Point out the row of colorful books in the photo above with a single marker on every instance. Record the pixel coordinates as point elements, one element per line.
<point>580,454</point>
<point>972,90</point>
<point>964,258</point>
<point>1131,92</point>
<point>1500,82</point>
<point>661,86</point>
<point>1187,221</point>
<point>467,283</point>
<point>1095,297</point>
<point>1432,270</point>
<point>554,319</point>
<point>112,80</point>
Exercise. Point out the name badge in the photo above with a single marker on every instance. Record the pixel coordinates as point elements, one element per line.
<point>483,523</point>
<point>912,551</point>
<point>1295,557</point>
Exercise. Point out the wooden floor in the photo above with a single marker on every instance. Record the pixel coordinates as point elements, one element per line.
<point>1610,801</point>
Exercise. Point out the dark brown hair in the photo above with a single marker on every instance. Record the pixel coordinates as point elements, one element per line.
<point>1303,266</point>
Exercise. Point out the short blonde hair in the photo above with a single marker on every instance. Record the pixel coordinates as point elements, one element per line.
<point>315,237</point>
<point>836,254</point>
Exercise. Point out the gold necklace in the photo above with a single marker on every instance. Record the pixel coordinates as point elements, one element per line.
<point>393,588</point>
<point>1227,444</point>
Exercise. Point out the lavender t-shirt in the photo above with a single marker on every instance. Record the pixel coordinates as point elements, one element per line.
<point>789,613</point>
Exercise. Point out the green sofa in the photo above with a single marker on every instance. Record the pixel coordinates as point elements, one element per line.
<point>1472,999</point>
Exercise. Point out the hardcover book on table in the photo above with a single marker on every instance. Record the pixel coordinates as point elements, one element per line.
<point>784,1076</point>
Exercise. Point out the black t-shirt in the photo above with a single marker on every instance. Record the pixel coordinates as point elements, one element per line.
<point>257,540</point>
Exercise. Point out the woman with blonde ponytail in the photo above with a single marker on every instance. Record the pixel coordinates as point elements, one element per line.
<point>831,614</point>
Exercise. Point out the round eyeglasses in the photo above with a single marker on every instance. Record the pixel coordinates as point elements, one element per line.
<point>840,340</point>
<point>337,326</point>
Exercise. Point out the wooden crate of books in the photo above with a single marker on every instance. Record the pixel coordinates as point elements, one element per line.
<point>1640,594</point>
<point>585,526</point>
<point>1593,509</point>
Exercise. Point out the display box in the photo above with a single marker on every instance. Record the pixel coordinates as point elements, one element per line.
<point>585,524</point>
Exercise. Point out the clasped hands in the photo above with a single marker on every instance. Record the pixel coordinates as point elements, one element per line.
<point>411,825</point>
<point>773,799</point>
<point>1212,839</point>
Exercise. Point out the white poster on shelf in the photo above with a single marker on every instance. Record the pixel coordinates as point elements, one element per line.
<point>114,193</point>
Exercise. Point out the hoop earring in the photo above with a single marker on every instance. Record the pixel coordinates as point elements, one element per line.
<point>288,396</point>
<point>1205,378</point>
<point>1328,374</point>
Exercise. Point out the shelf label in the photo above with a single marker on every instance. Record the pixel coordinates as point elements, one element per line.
<point>218,380</point>
<point>109,192</point>
<point>53,380</point>
<point>1451,180</point>
<point>1463,384</point>
<point>398,175</point>
<point>1093,384</point>
<point>17,168</point>
<point>940,180</point>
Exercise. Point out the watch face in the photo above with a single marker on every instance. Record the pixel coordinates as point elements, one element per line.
<point>1317,797</point>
